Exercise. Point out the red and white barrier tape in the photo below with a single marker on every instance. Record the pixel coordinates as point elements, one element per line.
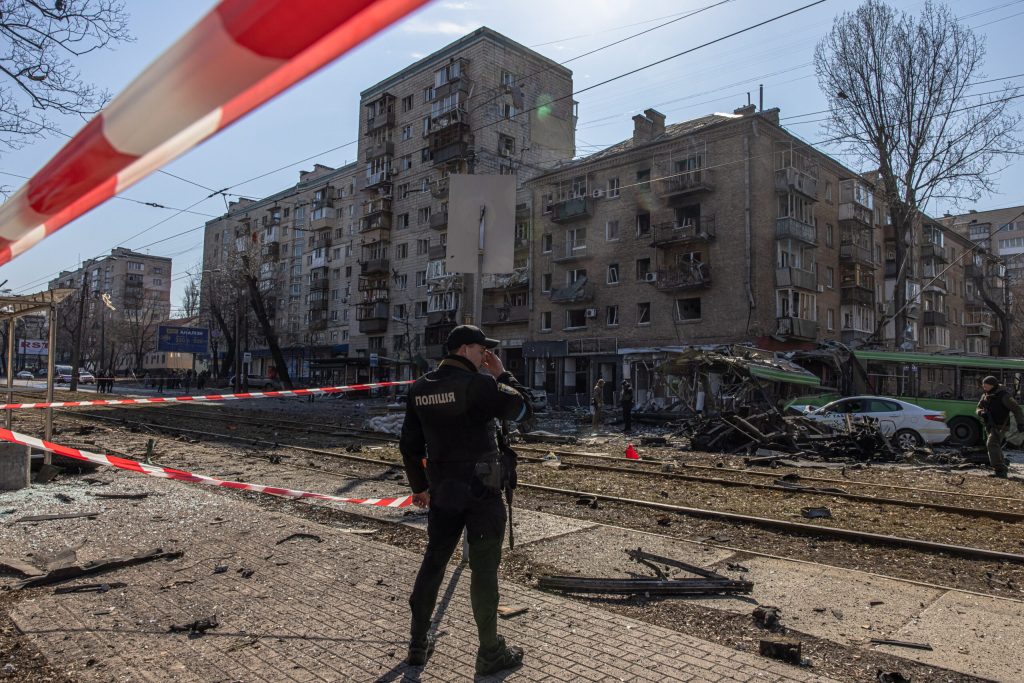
<point>241,54</point>
<point>180,475</point>
<point>207,398</point>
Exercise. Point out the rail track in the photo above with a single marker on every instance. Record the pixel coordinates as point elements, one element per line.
<point>724,477</point>
<point>820,531</point>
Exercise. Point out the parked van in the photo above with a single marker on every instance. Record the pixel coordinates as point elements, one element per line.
<point>62,374</point>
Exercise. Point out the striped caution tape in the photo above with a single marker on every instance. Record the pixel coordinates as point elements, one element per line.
<point>241,54</point>
<point>181,475</point>
<point>207,398</point>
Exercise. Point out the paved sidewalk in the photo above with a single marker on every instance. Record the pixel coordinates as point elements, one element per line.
<point>327,610</point>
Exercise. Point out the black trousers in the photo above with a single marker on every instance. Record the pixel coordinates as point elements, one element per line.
<point>627,417</point>
<point>455,505</point>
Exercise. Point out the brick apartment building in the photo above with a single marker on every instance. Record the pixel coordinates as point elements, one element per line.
<point>717,230</point>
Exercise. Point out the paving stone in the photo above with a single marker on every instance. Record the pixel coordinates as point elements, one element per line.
<point>336,611</point>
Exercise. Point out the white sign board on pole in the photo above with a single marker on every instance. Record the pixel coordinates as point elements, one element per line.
<point>469,197</point>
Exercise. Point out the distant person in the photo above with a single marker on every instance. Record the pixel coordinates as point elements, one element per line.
<point>201,380</point>
<point>160,381</point>
<point>626,401</point>
<point>597,402</point>
<point>188,381</point>
<point>995,407</point>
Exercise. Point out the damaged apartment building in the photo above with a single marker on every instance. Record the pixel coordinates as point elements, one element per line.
<point>716,230</point>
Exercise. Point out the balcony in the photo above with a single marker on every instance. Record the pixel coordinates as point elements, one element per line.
<point>569,251</point>
<point>319,303</point>
<point>979,326</point>
<point>505,315</point>
<point>681,184</point>
<point>937,318</point>
<point>319,284</point>
<point>326,221</point>
<point>437,252</point>
<point>323,240</point>
<point>377,265</point>
<point>271,251</point>
<point>372,317</point>
<point>318,325</point>
<point>570,209</point>
<point>380,149</point>
<point>791,228</point>
<point>796,277</point>
<point>374,181</point>
<point>445,153</point>
<point>857,295</point>
<point>579,291</point>
<point>442,118</point>
<point>443,318</point>
<point>792,179</point>
<point>934,251</point>
<point>798,328</point>
<point>439,189</point>
<point>935,284</point>
<point>689,230</point>
<point>850,252</point>
<point>435,351</point>
<point>439,220</point>
<point>461,84</point>
<point>318,261</point>
<point>696,275</point>
<point>856,213</point>
<point>375,122</point>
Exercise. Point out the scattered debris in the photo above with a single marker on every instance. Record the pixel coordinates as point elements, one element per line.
<point>767,616</point>
<point>89,588</point>
<point>509,611</point>
<point>220,569</point>
<point>891,677</point>
<point>549,437</point>
<point>709,583</point>
<point>16,565</point>
<point>246,572</point>
<point>901,643</point>
<point>736,567</point>
<point>653,441</point>
<point>121,496</point>
<point>816,513</point>
<point>97,566</point>
<point>63,498</point>
<point>197,627</point>
<point>300,534</point>
<point>46,473</point>
<point>589,501</point>
<point>69,515</point>
<point>783,649</point>
<point>175,584</point>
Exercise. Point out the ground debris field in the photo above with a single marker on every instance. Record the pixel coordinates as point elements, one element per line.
<point>935,562</point>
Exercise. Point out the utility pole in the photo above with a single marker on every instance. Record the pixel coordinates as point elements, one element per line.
<point>76,348</point>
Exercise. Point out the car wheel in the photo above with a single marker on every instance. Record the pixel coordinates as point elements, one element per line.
<point>907,439</point>
<point>964,431</point>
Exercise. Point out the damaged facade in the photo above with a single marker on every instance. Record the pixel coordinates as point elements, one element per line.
<point>720,230</point>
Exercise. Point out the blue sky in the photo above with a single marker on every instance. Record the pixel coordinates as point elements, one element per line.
<point>321,113</point>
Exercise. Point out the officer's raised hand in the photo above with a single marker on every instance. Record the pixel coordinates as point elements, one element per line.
<point>492,363</point>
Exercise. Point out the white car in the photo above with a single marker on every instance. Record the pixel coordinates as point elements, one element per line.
<point>906,424</point>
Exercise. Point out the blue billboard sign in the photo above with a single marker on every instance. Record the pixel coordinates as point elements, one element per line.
<point>183,339</point>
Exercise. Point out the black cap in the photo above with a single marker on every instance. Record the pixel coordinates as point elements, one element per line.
<point>468,334</point>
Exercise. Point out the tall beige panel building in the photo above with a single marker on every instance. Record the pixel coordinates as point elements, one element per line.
<point>483,104</point>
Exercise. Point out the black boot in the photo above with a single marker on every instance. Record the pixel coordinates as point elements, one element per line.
<point>420,650</point>
<point>1002,473</point>
<point>498,658</point>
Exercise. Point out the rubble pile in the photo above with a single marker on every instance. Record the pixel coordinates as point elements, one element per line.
<point>786,435</point>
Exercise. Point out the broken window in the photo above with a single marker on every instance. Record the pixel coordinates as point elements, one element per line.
<point>613,273</point>
<point>575,317</point>
<point>643,313</point>
<point>688,309</point>
<point>611,315</point>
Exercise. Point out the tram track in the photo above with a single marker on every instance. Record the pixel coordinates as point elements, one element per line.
<point>779,486</point>
<point>787,526</point>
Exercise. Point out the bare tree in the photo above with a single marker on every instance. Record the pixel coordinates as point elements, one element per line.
<point>190,297</point>
<point>40,45</point>
<point>139,327</point>
<point>899,91</point>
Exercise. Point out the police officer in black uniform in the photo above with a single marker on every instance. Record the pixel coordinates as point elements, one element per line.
<point>450,421</point>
